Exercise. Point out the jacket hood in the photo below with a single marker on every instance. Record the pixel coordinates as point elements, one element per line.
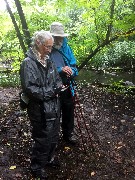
<point>65,42</point>
<point>31,54</point>
<point>67,51</point>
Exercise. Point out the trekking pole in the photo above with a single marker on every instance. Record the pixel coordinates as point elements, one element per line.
<point>83,118</point>
<point>80,131</point>
<point>80,117</point>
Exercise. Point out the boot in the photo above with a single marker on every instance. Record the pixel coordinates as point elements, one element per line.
<point>40,174</point>
<point>70,140</point>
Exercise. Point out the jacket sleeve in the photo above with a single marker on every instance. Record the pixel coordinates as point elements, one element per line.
<point>30,81</point>
<point>58,80</point>
<point>74,70</point>
<point>72,62</point>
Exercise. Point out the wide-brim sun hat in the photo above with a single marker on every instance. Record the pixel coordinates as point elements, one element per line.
<point>57,29</point>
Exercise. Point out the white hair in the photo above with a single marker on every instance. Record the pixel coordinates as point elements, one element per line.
<point>41,37</point>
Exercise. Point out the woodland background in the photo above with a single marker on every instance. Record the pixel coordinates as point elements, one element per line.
<point>102,33</point>
<point>102,36</point>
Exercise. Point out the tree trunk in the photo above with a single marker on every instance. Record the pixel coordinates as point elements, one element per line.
<point>23,22</point>
<point>16,27</point>
<point>111,18</point>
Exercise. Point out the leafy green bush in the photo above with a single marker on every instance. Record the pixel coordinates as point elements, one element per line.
<point>118,54</point>
<point>9,80</point>
<point>121,88</point>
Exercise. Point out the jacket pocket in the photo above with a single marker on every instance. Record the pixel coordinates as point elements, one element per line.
<point>50,109</point>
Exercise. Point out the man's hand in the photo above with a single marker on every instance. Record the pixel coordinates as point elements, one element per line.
<point>59,89</point>
<point>67,70</point>
<point>64,87</point>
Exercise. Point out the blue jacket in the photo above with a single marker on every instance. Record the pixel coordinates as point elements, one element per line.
<point>65,57</point>
<point>70,60</point>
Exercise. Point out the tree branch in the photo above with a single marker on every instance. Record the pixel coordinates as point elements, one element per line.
<point>105,43</point>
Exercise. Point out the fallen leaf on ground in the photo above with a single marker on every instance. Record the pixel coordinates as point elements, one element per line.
<point>12,167</point>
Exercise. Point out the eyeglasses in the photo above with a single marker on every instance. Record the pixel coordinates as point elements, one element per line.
<point>48,47</point>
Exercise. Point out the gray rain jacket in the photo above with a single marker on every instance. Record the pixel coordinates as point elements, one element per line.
<point>41,85</point>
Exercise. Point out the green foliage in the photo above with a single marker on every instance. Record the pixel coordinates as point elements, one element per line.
<point>121,88</point>
<point>9,80</point>
<point>117,54</point>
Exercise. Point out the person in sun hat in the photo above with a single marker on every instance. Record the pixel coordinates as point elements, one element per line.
<point>65,61</point>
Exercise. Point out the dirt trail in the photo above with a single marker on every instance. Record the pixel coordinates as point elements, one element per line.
<point>111,121</point>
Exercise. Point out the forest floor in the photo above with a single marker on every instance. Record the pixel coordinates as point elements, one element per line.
<point>106,134</point>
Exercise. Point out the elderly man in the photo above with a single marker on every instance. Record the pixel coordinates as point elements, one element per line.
<point>41,85</point>
<point>65,61</point>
